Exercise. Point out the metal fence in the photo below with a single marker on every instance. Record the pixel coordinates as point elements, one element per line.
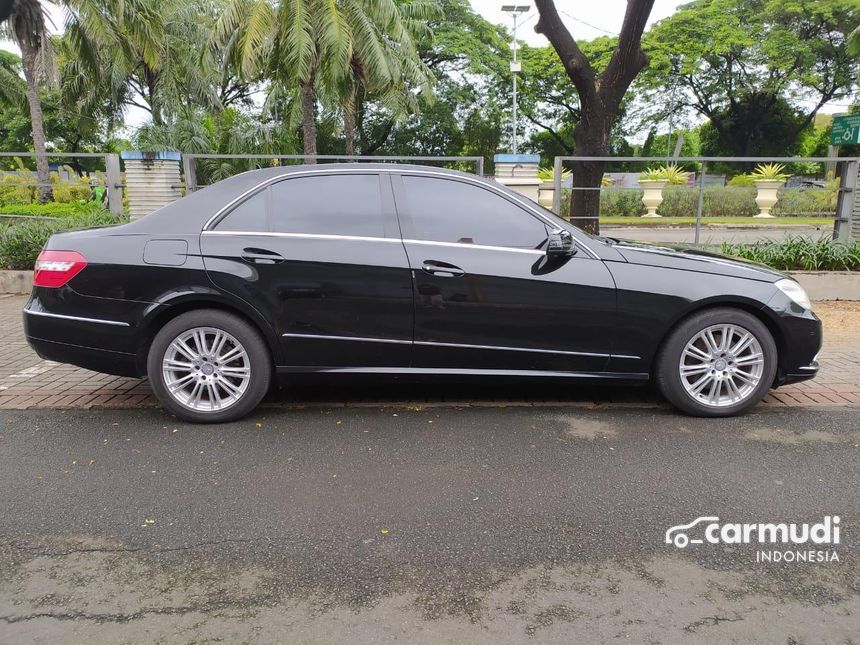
<point>842,218</point>
<point>190,165</point>
<point>112,170</point>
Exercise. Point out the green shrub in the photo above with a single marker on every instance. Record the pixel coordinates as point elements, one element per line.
<point>717,201</point>
<point>21,242</point>
<point>14,188</point>
<point>800,253</point>
<point>614,202</point>
<point>66,192</point>
<point>806,202</point>
<point>622,202</point>
<point>51,209</point>
<point>742,180</point>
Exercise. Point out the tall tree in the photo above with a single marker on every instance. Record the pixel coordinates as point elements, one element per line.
<point>322,49</point>
<point>600,97</point>
<point>385,63</point>
<point>25,24</point>
<point>548,100</point>
<point>141,53</point>
<point>758,70</point>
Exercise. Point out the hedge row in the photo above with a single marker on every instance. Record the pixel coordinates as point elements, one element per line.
<point>20,189</point>
<point>717,201</point>
<point>21,242</point>
<point>800,253</point>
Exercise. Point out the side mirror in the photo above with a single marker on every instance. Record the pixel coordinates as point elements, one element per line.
<point>560,244</point>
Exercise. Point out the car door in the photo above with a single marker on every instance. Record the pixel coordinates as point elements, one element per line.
<point>322,254</point>
<point>485,295</point>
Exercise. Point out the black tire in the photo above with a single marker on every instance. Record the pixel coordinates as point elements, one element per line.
<point>259,360</point>
<point>667,373</point>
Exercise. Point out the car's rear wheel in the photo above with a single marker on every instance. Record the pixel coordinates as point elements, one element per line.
<point>209,366</point>
<point>717,363</point>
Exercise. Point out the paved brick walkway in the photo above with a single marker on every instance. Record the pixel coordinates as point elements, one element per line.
<point>26,381</point>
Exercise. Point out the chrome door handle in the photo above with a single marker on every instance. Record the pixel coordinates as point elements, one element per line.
<point>261,256</point>
<point>441,269</point>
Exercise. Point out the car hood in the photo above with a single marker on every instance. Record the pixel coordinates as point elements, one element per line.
<point>694,260</point>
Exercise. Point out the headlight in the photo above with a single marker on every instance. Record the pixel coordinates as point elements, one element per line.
<point>795,292</point>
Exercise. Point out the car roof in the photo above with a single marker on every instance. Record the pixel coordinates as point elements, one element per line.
<point>188,214</point>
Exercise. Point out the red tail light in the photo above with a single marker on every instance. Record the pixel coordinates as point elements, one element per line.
<point>56,268</point>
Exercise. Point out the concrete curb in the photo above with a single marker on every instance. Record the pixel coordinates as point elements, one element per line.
<point>829,285</point>
<point>820,285</point>
<point>16,282</point>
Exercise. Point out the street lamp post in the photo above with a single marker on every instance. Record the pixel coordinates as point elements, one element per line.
<point>515,10</point>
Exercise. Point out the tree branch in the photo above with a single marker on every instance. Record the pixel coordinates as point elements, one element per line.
<point>574,61</point>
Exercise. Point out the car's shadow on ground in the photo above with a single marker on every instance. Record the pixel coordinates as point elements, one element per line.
<point>386,390</point>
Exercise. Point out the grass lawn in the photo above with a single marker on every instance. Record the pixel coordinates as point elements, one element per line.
<point>745,221</point>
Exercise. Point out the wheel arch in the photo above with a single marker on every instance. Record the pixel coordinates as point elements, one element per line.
<point>161,313</point>
<point>749,306</point>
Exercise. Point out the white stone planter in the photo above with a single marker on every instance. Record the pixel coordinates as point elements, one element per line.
<point>546,191</point>
<point>766,196</point>
<point>653,196</point>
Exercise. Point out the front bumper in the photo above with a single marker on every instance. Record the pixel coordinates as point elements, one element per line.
<point>799,339</point>
<point>803,373</point>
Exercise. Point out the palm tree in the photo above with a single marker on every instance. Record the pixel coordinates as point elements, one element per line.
<point>141,53</point>
<point>385,62</point>
<point>315,46</point>
<point>854,42</point>
<point>25,25</point>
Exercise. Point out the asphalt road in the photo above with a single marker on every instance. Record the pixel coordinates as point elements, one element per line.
<point>421,525</point>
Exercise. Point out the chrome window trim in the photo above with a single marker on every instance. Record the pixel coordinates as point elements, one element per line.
<point>319,236</point>
<point>117,323</point>
<point>480,247</point>
<point>358,238</point>
<point>407,171</point>
<point>455,345</point>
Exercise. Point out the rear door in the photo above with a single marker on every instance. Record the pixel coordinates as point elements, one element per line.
<point>321,254</point>
<point>486,297</point>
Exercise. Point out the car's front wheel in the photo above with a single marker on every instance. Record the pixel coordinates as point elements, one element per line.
<point>717,363</point>
<point>209,366</point>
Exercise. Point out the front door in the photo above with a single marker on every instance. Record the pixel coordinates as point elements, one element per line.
<point>321,254</point>
<point>486,298</point>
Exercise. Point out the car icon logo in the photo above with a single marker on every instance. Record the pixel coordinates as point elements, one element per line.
<point>680,538</point>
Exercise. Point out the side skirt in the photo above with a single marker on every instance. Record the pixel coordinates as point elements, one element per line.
<point>444,371</point>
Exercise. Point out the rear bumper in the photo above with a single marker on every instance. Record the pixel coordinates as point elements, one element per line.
<point>91,358</point>
<point>93,333</point>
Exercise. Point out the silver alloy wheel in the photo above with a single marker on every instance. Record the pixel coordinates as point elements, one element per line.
<point>206,369</point>
<point>721,365</point>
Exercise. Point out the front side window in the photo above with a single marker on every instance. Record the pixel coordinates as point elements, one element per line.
<point>444,210</point>
<point>337,204</point>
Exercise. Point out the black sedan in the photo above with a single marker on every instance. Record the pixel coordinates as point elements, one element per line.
<point>408,270</point>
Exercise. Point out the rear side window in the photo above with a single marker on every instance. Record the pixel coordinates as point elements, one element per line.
<point>250,215</point>
<point>339,204</point>
<point>444,210</point>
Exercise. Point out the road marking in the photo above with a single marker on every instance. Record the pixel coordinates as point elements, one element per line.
<point>25,375</point>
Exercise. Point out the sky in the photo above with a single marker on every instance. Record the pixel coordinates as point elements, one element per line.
<point>586,19</point>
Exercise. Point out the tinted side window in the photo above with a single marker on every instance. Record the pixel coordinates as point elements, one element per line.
<point>339,204</point>
<point>444,210</point>
<point>250,215</point>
